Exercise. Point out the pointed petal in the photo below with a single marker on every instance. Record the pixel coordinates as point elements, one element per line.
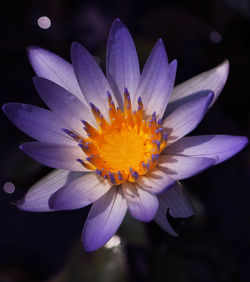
<point>122,65</point>
<point>38,123</point>
<point>213,80</point>
<point>104,219</point>
<point>37,197</point>
<point>186,117</point>
<point>219,147</point>
<point>90,78</point>
<point>80,192</point>
<point>48,65</point>
<point>155,181</point>
<point>181,167</point>
<point>65,105</point>
<point>157,80</point>
<point>55,155</point>
<point>176,200</point>
<point>141,204</point>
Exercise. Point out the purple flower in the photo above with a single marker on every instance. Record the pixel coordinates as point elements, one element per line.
<point>108,138</point>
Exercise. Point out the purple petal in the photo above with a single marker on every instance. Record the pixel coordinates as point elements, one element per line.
<point>80,192</point>
<point>213,80</point>
<point>55,155</point>
<point>37,197</point>
<point>141,204</point>
<point>181,167</point>
<point>104,218</point>
<point>176,200</point>
<point>38,123</point>
<point>186,117</point>
<point>48,65</point>
<point>67,106</point>
<point>90,78</point>
<point>122,63</point>
<point>157,80</point>
<point>156,181</point>
<point>219,147</point>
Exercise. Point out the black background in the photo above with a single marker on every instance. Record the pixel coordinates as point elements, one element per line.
<point>215,246</point>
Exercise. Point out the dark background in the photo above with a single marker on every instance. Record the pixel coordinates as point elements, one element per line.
<point>215,245</point>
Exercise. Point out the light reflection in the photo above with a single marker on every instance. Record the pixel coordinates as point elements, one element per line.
<point>9,187</point>
<point>215,37</point>
<point>44,22</point>
<point>115,241</point>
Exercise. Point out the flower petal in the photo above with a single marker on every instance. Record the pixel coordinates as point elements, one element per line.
<point>219,147</point>
<point>122,65</point>
<point>80,192</point>
<point>48,65</point>
<point>213,80</point>
<point>104,218</point>
<point>37,197</point>
<point>67,106</point>
<point>181,167</point>
<point>55,155</point>
<point>38,123</point>
<point>141,204</point>
<point>186,117</point>
<point>90,78</point>
<point>157,80</point>
<point>176,200</point>
<point>155,181</point>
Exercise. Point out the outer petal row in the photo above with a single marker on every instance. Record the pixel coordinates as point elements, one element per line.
<point>37,197</point>
<point>55,155</point>
<point>104,218</point>
<point>80,192</point>
<point>50,66</point>
<point>141,204</point>
<point>218,147</point>
<point>176,201</point>
<point>65,105</point>
<point>186,117</point>
<point>38,123</point>
<point>212,80</point>
<point>122,65</point>
<point>156,81</point>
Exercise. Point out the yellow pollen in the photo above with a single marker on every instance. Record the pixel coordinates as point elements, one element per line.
<point>124,148</point>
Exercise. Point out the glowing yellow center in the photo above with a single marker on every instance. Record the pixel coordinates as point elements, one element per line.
<point>126,147</point>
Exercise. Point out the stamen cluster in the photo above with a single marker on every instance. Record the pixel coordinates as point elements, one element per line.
<point>125,147</point>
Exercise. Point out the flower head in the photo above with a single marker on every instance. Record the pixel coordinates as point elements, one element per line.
<point>118,141</point>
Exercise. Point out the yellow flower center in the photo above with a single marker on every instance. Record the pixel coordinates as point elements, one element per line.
<point>125,147</point>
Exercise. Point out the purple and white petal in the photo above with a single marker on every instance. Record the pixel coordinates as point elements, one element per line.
<point>37,197</point>
<point>186,117</point>
<point>67,106</point>
<point>142,205</point>
<point>176,202</point>
<point>157,81</point>
<point>80,192</point>
<point>182,167</point>
<point>48,65</point>
<point>38,123</point>
<point>155,181</point>
<point>122,65</point>
<point>212,80</point>
<point>55,155</point>
<point>104,218</point>
<point>91,79</point>
<point>218,147</point>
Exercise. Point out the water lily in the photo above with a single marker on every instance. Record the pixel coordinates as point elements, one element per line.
<point>118,141</point>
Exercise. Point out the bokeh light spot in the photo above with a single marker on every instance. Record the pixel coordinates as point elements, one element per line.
<point>9,187</point>
<point>215,37</point>
<point>115,241</point>
<point>44,22</point>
